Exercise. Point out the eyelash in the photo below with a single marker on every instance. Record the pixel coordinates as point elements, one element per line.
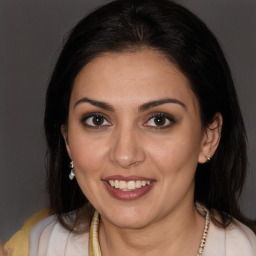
<point>167,117</point>
<point>161,115</point>
<point>93,115</point>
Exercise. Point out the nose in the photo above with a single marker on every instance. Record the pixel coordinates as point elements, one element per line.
<point>126,150</point>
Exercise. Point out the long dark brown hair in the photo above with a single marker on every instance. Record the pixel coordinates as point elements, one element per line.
<point>171,29</point>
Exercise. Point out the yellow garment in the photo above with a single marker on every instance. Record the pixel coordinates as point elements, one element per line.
<point>18,245</point>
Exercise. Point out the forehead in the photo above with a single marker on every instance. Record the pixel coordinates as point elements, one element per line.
<point>132,78</point>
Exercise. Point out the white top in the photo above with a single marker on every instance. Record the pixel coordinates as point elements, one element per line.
<point>49,238</point>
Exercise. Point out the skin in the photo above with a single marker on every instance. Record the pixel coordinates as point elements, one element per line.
<point>130,142</point>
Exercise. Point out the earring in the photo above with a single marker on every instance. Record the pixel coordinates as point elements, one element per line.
<point>71,174</point>
<point>208,159</point>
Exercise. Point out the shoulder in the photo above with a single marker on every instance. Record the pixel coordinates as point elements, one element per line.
<point>43,235</point>
<point>234,240</point>
<point>48,237</point>
<point>19,242</point>
<point>240,238</point>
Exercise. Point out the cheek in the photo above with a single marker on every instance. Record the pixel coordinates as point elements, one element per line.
<point>89,161</point>
<point>174,152</point>
<point>176,156</point>
<point>88,153</point>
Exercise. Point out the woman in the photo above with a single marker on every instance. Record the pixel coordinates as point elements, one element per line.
<point>146,141</point>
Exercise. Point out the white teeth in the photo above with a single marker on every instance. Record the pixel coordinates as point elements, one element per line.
<point>138,183</point>
<point>116,184</point>
<point>131,184</point>
<point>128,185</point>
<point>122,184</point>
<point>112,183</point>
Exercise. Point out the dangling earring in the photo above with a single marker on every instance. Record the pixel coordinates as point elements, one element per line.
<point>71,174</point>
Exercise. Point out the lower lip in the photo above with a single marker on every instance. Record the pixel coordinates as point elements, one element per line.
<point>128,195</point>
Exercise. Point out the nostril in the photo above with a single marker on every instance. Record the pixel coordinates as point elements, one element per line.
<point>127,159</point>
<point>125,151</point>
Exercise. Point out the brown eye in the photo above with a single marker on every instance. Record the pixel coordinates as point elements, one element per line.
<point>160,121</point>
<point>95,120</point>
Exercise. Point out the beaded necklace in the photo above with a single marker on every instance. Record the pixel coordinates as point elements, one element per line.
<point>94,247</point>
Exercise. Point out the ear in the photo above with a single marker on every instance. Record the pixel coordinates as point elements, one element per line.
<point>64,132</point>
<point>211,139</point>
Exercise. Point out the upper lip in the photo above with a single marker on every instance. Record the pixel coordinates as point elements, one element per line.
<point>126,178</point>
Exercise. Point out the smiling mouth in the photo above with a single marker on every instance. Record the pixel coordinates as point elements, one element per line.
<point>128,187</point>
<point>131,185</point>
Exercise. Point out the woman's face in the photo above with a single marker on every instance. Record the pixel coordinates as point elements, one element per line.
<point>135,136</point>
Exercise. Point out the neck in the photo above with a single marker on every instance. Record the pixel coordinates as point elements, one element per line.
<point>178,233</point>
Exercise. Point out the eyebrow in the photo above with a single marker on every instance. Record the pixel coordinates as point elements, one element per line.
<point>142,108</point>
<point>96,103</point>
<point>156,103</point>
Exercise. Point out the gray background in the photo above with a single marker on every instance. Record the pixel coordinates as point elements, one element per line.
<point>31,34</point>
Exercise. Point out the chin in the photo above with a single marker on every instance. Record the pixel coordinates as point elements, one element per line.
<point>129,218</point>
